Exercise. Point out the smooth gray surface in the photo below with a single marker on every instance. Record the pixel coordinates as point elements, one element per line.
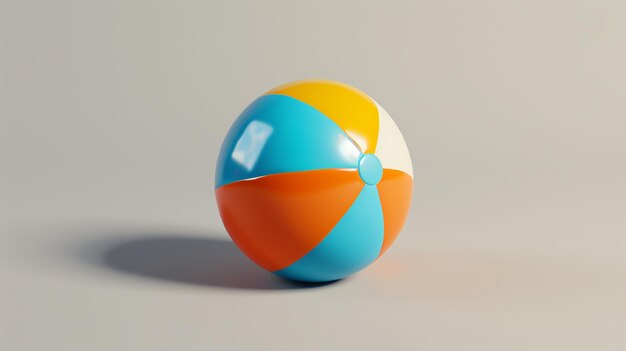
<point>112,114</point>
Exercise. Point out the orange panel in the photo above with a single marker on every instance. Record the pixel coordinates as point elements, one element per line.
<point>279,218</point>
<point>394,190</point>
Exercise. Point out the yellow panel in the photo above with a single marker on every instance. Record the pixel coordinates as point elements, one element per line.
<point>350,108</point>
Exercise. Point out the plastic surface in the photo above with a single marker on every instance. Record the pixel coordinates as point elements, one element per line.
<point>350,246</point>
<point>370,169</point>
<point>278,134</point>
<point>314,181</point>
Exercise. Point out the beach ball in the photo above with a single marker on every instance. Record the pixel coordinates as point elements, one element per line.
<point>313,181</point>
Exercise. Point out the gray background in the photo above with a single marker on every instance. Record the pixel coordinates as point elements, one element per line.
<point>112,114</point>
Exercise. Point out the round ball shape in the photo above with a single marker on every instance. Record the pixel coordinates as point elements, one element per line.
<point>314,181</point>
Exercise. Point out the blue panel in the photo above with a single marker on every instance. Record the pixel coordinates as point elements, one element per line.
<point>277,134</point>
<point>352,245</point>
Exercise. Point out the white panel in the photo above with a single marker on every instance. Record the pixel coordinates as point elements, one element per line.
<point>391,148</point>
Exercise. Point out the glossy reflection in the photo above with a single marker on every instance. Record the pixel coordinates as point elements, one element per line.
<point>278,134</point>
<point>251,143</point>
